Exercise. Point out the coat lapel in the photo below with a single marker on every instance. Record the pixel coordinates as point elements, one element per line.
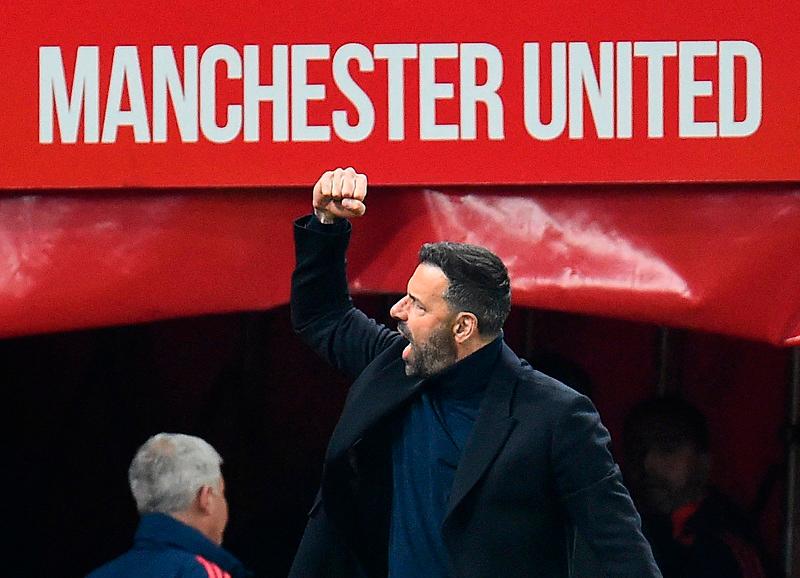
<point>492,428</point>
<point>368,404</point>
<point>372,397</point>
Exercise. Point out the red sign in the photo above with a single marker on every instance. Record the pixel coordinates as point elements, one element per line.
<point>152,94</point>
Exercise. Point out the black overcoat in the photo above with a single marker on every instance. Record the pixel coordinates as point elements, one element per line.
<point>536,466</point>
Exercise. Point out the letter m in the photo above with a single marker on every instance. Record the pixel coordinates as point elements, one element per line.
<point>54,99</point>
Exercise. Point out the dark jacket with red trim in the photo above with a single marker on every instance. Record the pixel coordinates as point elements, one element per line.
<point>714,541</point>
<point>163,547</point>
<point>536,466</point>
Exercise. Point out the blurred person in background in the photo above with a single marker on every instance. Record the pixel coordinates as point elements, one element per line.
<point>695,530</point>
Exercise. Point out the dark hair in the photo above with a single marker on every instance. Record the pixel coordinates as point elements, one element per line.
<point>666,423</point>
<point>477,282</point>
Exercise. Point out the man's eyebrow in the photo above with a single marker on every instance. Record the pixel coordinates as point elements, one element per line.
<point>414,297</point>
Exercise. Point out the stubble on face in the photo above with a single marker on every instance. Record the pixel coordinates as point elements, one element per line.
<point>431,356</point>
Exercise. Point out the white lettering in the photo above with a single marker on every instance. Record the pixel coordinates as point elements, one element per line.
<point>599,91</point>
<point>624,90</point>
<point>689,89</point>
<point>126,74</point>
<point>354,93</point>
<point>208,93</point>
<point>166,79</point>
<point>655,52</point>
<point>472,93</point>
<point>728,125</point>
<point>53,98</point>
<point>188,88</point>
<point>430,91</point>
<point>395,56</point>
<point>277,92</point>
<point>302,92</point>
<point>558,91</point>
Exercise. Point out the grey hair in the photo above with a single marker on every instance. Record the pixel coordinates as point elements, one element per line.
<point>169,469</point>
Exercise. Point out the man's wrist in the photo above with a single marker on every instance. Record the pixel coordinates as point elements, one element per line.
<point>324,217</point>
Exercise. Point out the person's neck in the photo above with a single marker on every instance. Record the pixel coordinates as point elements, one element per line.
<point>469,347</point>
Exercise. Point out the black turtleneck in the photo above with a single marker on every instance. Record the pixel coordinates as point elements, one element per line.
<point>426,449</point>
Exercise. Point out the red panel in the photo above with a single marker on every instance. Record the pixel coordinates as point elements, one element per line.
<point>722,260</point>
<point>82,261</point>
<point>615,144</point>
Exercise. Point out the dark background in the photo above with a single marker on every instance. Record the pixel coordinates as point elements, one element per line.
<point>78,404</point>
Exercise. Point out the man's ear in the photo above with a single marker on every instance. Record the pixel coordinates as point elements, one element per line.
<point>204,499</point>
<point>465,326</point>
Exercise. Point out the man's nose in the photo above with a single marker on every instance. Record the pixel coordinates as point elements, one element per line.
<point>398,310</point>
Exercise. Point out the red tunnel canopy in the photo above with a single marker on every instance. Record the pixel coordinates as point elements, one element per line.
<point>715,258</point>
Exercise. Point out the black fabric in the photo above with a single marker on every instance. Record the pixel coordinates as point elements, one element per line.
<point>719,543</point>
<point>536,462</point>
<point>426,451</point>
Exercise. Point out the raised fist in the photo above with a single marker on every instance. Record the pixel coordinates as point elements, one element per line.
<point>340,193</point>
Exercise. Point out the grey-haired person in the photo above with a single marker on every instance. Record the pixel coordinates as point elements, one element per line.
<point>176,481</point>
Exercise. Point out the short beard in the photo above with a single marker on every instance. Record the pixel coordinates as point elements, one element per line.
<point>433,356</point>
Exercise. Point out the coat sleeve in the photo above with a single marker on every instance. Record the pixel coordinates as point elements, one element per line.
<point>590,485</point>
<point>322,312</point>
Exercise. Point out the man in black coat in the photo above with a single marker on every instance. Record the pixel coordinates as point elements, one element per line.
<point>452,457</point>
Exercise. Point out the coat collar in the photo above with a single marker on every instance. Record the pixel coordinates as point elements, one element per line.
<point>368,404</point>
<point>492,428</point>
<point>160,530</point>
